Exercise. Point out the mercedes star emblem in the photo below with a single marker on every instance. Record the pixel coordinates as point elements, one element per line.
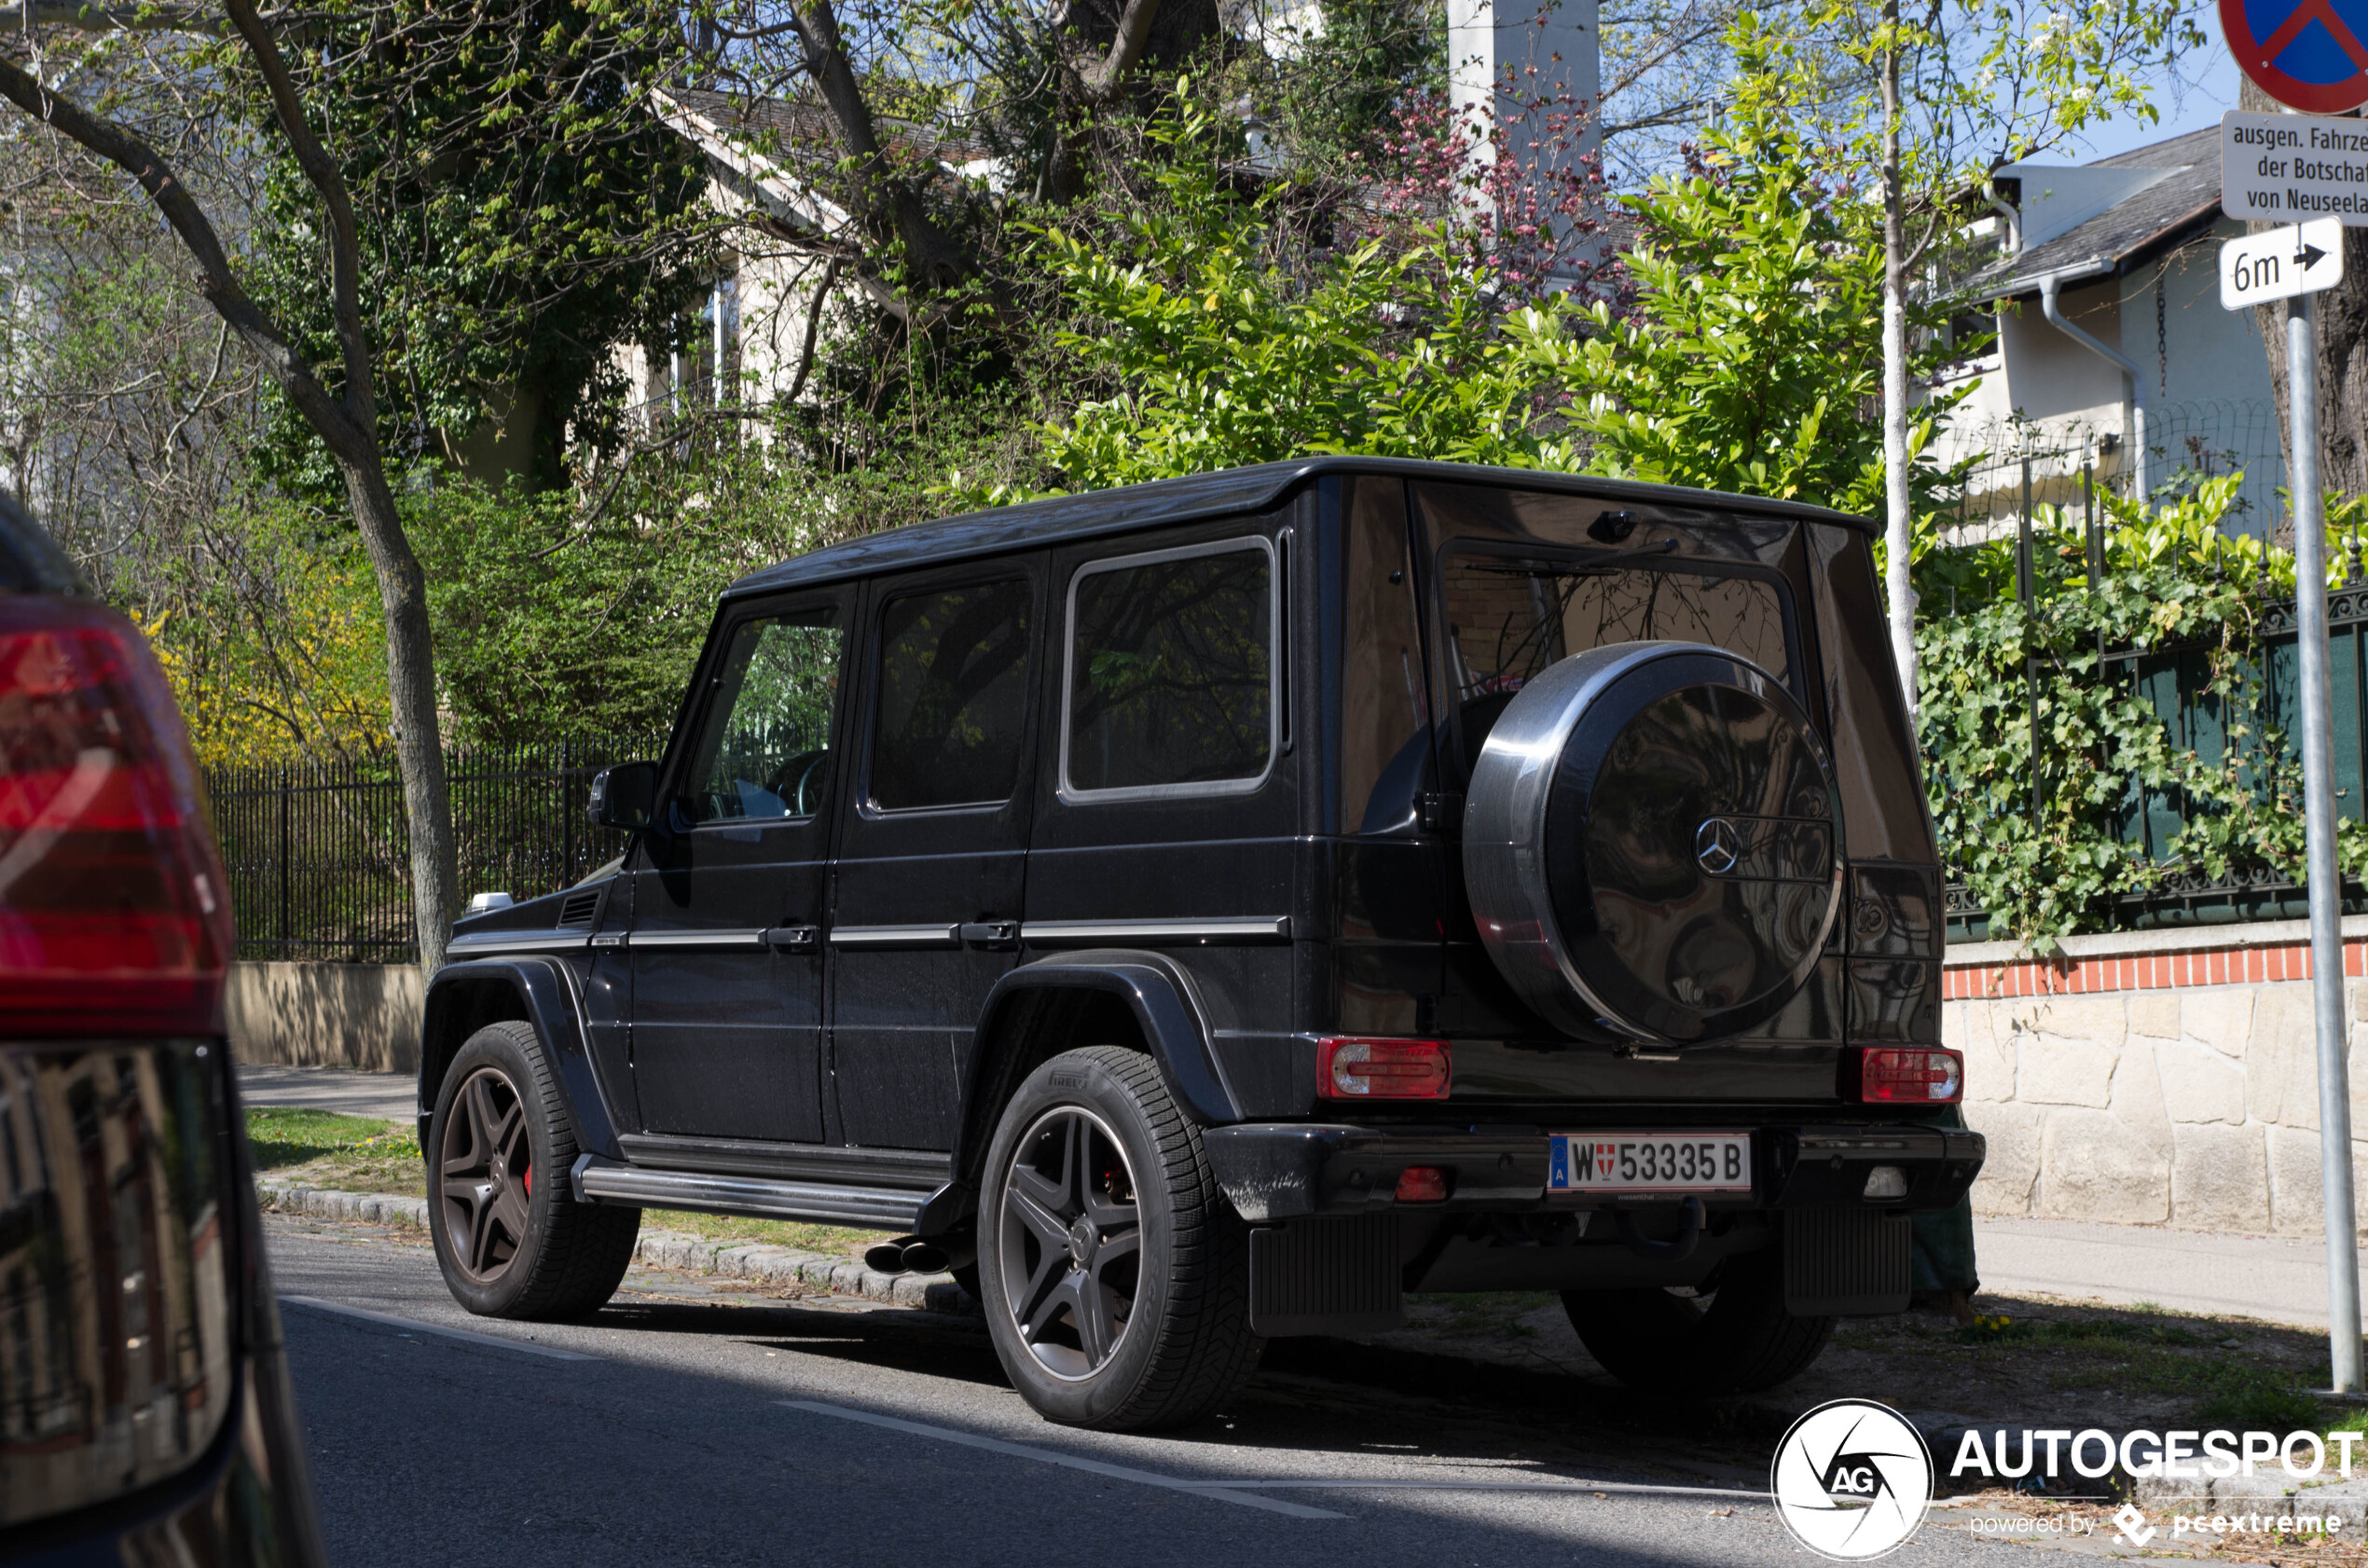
<point>1719,844</point>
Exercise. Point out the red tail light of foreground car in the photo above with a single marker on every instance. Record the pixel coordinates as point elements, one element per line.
<point>144,1414</point>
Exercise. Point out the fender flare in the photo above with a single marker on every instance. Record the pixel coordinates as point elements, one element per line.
<point>545,992</point>
<point>1167,1011</point>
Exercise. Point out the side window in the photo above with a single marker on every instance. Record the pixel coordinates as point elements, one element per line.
<point>1170,685</point>
<point>764,749</point>
<point>953,700</point>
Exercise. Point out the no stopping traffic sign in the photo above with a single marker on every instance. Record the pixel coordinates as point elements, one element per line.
<point>2310,55</point>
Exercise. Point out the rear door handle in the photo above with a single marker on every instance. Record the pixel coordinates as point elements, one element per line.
<point>794,939</point>
<point>994,936</point>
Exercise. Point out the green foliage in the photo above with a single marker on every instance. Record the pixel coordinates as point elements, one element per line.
<point>1754,360</point>
<point>573,614</point>
<point>1335,95</point>
<point>521,210</point>
<point>1226,343</point>
<point>2170,580</point>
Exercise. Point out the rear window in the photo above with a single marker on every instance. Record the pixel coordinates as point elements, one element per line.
<point>1170,682</point>
<point>1511,614</point>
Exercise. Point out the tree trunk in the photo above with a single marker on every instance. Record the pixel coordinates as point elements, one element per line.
<point>419,740</point>
<point>1898,506</point>
<point>2342,361</point>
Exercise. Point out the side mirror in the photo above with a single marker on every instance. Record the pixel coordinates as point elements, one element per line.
<point>626,795</point>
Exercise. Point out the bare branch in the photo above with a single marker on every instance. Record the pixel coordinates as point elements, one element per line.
<point>216,283</point>
<point>361,393</point>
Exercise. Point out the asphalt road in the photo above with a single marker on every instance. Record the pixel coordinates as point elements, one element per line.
<point>688,1425</point>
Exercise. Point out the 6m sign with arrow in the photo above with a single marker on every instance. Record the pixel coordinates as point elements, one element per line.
<point>2281,263</point>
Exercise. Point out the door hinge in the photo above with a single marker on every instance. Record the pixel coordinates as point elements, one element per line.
<point>1442,814</point>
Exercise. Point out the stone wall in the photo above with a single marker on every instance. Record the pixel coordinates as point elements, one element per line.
<point>327,1015</point>
<point>2159,1078</point>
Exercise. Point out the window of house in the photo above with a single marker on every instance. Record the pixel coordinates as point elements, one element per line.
<point>1170,685</point>
<point>953,698</point>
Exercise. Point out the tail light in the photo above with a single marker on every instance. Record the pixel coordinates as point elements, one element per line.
<point>1923,1076</point>
<point>113,918</point>
<point>1382,1069</point>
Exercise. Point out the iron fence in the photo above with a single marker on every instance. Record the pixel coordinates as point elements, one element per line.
<point>318,855</point>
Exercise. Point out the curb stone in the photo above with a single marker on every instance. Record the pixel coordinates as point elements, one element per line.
<point>766,1265</point>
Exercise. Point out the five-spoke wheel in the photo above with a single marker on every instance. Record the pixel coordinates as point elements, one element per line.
<point>1114,1274</point>
<point>510,1237</point>
<point>485,1175</point>
<point>1072,1242</point>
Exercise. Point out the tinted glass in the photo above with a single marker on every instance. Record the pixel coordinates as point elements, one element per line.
<point>1171,672</point>
<point>953,696</point>
<point>1509,617</point>
<point>767,745</point>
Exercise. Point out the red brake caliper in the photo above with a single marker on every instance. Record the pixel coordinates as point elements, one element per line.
<point>529,1181</point>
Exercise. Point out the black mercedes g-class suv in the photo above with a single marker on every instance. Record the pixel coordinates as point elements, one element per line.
<point>1203,911</point>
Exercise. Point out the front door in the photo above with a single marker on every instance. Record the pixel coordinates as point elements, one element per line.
<point>932,850</point>
<point>725,947</point>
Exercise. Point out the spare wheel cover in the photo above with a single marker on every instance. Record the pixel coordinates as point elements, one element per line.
<point>1651,842</point>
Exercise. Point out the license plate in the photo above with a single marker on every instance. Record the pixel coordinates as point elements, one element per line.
<point>1649,1162</point>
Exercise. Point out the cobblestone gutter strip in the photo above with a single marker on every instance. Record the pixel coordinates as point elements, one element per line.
<point>765,1265</point>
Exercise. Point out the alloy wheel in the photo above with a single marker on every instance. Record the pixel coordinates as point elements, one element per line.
<point>486,1175</point>
<point>1071,1240</point>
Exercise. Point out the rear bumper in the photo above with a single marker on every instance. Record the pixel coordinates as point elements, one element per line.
<point>1285,1169</point>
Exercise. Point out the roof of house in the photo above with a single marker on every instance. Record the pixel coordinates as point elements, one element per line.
<point>2181,201</point>
<point>1096,514</point>
<point>791,122</point>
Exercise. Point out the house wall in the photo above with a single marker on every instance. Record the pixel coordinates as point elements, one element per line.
<point>2212,356</point>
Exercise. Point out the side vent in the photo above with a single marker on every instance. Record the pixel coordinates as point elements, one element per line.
<point>581,909</point>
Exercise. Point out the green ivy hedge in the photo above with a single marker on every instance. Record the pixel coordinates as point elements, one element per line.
<point>2170,578</point>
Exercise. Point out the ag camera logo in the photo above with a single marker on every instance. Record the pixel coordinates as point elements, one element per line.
<point>1851,1479</point>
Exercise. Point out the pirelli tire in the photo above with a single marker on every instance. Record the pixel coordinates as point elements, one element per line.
<point>1113,1272</point>
<point>1652,844</point>
<point>510,1237</point>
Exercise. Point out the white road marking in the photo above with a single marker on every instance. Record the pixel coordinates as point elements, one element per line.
<point>414,1326</point>
<point>1220,1491</point>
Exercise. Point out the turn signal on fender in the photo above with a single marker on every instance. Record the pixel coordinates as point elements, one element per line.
<point>1889,1075</point>
<point>1382,1069</point>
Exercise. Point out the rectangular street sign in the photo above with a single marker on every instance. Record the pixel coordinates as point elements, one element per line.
<point>2291,168</point>
<point>2281,263</point>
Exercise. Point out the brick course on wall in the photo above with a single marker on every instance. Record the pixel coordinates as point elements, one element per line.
<point>2157,1077</point>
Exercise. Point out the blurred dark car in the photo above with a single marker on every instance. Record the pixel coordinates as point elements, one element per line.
<point>145,1415</point>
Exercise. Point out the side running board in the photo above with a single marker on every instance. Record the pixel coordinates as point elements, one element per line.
<point>601,1180</point>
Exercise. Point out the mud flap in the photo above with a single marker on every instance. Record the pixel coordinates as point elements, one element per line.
<point>1845,1262</point>
<point>1326,1277</point>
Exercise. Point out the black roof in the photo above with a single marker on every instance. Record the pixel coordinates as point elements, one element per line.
<point>1097,513</point>
<point>2129,233</point>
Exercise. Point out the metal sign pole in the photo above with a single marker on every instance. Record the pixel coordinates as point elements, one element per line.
<point>2319,821</point>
